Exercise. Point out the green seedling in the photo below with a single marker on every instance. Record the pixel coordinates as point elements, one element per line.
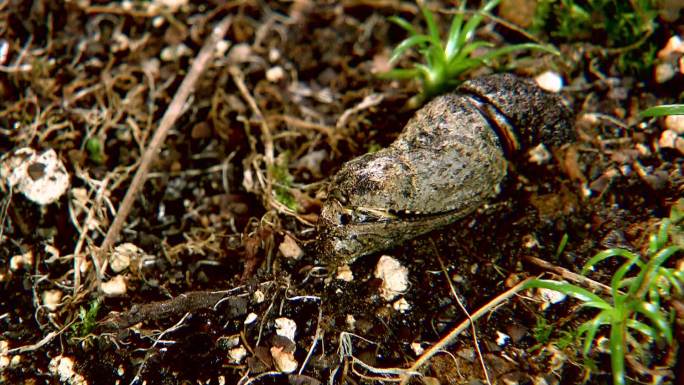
<point>637,288</point>
<point>664,110</point>
<point>445,64</point>
<point>283,183</point>
<point>87,319</point>
<point>95,151</point>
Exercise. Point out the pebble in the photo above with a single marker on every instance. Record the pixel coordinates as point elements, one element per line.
<point>394,277</point>
<point>549,297</point>
<point>675,123</point>
<point>21,261</point>
<point>550,81</point>
<point>251,317</point>
<point>51,299</point>
<point>42,178</point>
<point>63,367</point>
<point>284,361</point>
<point>344,273</point>
<point>275,74</point>
<point>290,249</point>
<point>236,355</point>
<point>114,287</point>
<point>286,327</point>
<point>401,305</point>
<point>668,139</point>
<point>120,258</point>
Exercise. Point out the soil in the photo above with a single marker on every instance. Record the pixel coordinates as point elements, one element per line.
<point>214,222</point>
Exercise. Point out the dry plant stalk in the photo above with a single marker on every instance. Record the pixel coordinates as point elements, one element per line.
<point>172,114</point>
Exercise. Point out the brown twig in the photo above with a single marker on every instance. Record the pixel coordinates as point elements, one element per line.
<point>449,338</point>
<point>172,113</point>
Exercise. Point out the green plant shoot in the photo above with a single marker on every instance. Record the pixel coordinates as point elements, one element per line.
<point>445,64</point>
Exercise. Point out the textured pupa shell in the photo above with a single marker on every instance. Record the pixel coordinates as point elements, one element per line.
<point>448,161</point>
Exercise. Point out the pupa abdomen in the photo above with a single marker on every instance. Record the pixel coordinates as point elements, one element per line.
<point>448,161</point>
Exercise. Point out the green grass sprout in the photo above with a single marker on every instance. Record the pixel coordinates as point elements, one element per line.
<point>446,64</point>
<point>87,319</point>
<point>637,288</point>
<point>663,110</point>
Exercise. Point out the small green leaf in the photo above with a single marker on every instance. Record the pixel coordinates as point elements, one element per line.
<point>406,44</point>
<point>642,328</point>
<point>663,110</point>
<point>652,312</point>
<point>404,24</point>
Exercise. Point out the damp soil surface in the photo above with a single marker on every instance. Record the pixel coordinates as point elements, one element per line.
<point>220,242</point>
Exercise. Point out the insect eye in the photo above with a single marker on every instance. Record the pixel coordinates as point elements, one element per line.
<point>345,219</point>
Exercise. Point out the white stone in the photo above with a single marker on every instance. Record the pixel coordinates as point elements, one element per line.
<point>259,296</point>
<point>114,287</point>
<point>417,348</point>
<point>344,273</point>
<point>175,52</point>
<point>21,261</point>
<point>502,338</point>
<point>236,355</point>
<point>663,72</point>
<point>539,154</point>
<point>240,53</point>
<point>394,277</point>
<point>273,55</point>
<point>286,327</point>
<point>222,47</point>
<point>275,74</point>
<point>350,321</point>
<point>667,139</point>
<point>675,123</point>
<point>549,296</point>
<point>284,361</point>
<point>550,81</point>
<point>251,317</point>
<point>401,305</point>
<point>64,368</point>
<point>120,258</point>
<point>674,45</point>
<point>290,249</point>
<point>51,299</point>
<point>42,178</point>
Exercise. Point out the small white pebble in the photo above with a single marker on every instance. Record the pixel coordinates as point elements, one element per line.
<point>663,72</point>
<point>4,50</point>
<point>344,273</point>
<point>667,139</point>
<point>417,348</point>
<point>394,277</point>
<point>51,299</point>
<point>350,321</point>
<point>21,261</point>
<point>284,361</point>
<point>675,123</point>
<point>42,178</point>
<point>121,256</point>
<point>550,81</point>
<point>273,55</point>
<point>290,249</point>
<point>275,74</point>
<point>401,305</point>
<point>674,45</point>
<point>539,154</point>
<point>114,287</point>
<point>240,53</point>
<point>236,355</point>
<point>222,47</point>
<point>158,21</point>
<point>644,151</point>
<point>286,327</point>
<point>259,296</point>
<point>502,338</point>
<point>550,297</point>
<point>251,317</point>
<point>64,368</point>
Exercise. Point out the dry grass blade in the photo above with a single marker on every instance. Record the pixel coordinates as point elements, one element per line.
<point>170,116</point>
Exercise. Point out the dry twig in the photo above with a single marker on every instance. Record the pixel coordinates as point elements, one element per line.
<point>170,116</point>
